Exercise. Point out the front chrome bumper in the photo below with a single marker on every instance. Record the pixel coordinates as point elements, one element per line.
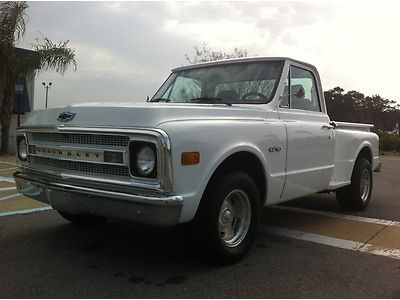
<point>154,209</point>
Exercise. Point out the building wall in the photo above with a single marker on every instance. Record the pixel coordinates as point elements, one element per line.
<point>30,85</point>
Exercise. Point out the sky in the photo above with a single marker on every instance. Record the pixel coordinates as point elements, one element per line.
<point>125,50</point>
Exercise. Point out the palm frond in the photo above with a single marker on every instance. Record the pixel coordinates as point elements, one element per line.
<point>12,21</point>
<point>58,57</point>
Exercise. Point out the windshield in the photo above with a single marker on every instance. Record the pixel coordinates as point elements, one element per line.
<point>249,83</point>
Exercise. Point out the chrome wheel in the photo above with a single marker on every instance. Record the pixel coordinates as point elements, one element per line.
<point>234,218</point>
<point>365,185</point>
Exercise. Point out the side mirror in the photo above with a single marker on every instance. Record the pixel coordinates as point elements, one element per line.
<point>298,91</point>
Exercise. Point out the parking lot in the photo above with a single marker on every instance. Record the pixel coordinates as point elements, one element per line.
<point>305,248</point>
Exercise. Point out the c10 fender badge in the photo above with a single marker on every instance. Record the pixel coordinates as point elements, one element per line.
<point>66,116</point>
<point>275,149</point>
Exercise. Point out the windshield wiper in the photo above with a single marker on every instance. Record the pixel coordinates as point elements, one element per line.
<point>210,100</point>
<point>160,100</point>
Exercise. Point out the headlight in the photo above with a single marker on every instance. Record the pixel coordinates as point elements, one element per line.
<point>22,148</point>
<point>143,159</point>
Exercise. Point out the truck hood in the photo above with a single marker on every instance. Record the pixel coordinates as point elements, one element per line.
<point>149,115</point>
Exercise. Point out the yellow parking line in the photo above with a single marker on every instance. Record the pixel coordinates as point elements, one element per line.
<point>374,236</point>
<point>19,203</point>
<point>7,173</point>
<point>6,184</point>
<point>9,197</point>
<point>7,193</point>
<point>387,238</point>
<point>323,225</point>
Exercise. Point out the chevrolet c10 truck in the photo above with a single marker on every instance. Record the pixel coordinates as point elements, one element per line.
<point>217,142</point>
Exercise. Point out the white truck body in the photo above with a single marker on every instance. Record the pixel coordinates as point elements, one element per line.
<point>298,151</point>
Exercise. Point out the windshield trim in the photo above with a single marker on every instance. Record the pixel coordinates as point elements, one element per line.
<point>229,61</point>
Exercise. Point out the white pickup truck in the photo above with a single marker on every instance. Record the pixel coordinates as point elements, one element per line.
<point>216,142</point>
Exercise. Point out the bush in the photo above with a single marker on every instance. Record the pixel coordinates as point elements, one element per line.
<point>389,142</point>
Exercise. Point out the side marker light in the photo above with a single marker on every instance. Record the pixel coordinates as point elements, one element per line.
<point>190,158</point>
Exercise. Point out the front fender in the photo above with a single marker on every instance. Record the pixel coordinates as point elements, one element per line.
<point>216,141</point>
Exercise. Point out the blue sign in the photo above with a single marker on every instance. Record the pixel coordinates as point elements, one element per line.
<point>21,98</point>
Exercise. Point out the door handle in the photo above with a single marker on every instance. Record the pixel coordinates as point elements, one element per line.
<point>327,127</point>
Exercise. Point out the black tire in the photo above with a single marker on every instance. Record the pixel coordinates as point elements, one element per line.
<point>82,219</point>
<point>225,204</point>
<point>357,195</point>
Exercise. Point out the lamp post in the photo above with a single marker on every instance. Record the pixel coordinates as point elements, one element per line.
<point>47,90</point>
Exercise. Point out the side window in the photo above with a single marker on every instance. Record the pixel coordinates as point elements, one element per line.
<point>303,90</point>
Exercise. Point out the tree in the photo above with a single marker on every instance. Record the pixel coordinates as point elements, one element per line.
<point>49,55</point>
<point>204,53</point>
<point>354,106</point>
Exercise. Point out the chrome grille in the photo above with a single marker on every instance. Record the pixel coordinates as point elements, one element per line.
<point>82,167</point>
<point>80,139</point>
<point>81,143</point>
<point>69,152</point>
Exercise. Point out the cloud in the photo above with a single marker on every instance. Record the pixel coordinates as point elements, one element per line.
<point>126,49</point>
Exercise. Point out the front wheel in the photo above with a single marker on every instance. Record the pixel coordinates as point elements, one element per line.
<point>225,224</point>
<point>357,195</point>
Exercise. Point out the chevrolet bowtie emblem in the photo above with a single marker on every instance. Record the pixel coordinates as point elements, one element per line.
<point>66,116</point>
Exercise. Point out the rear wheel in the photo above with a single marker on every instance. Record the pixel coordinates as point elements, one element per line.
<point>357,195</point>
<point>82,219</point>
<point>225,224</point>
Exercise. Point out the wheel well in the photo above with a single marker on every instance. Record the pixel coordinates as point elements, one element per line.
<point>365,153</point>
<point>246,162</point>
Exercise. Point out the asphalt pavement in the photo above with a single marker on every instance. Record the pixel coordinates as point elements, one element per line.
<point>44,256</point>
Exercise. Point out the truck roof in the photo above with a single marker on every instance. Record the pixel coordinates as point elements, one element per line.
<point>240,60</point>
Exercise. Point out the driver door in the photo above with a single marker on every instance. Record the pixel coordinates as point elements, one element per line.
<point>310,146</point>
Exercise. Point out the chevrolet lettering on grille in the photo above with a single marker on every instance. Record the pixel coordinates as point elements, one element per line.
<point>95,156</point>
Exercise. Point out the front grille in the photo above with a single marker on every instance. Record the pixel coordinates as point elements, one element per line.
<point>79,139</point>
<point>98,156</point>
<point>84,142</point>
<point>81,167</point>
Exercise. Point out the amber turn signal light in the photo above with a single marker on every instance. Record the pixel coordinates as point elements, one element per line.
<point>190,158</point>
